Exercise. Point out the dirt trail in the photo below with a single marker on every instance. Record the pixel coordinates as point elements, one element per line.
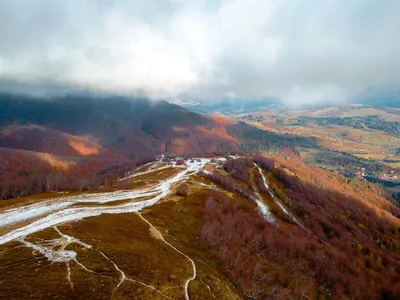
<point>21,221</point>
<point>59,211</point>
<point>155,230</point>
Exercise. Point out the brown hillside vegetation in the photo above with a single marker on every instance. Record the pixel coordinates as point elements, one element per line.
<point>68,133</point>
<point>351,252</point>
<point>42,139</point>
<point>24,173</point>
<point>334,240</point>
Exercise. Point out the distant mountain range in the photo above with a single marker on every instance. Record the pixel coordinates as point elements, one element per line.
<point>133,128</point>
<point>233,106</point>
<point>249,226</point>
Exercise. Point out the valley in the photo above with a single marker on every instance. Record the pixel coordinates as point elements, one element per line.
<point>199,150</point>
<point>356,140</point>
<point>82,143</point>
<point>151,201</point>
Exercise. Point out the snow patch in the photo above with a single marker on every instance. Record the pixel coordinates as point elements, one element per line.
<point>48,247</point>
<point>267,187</point>
<point>63,213</point>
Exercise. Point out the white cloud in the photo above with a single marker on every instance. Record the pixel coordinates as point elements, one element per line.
<point>299,51</point>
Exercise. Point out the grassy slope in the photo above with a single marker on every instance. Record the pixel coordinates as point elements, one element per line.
<point>285,270</point>
<point>128,241</point>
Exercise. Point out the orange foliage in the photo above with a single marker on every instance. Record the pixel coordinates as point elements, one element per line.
<point>83,145</point>
<point>367,193</point>
<point>25,173</point>
<point>221,121</point>
<point>180,146</point>
<point>285,262</point>
<point>218,131</point>
<point>54,162</point>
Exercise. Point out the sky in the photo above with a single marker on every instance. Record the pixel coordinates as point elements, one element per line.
<point>297,51</point>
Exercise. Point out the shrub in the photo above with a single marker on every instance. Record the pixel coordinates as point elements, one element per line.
<point>182,190</point>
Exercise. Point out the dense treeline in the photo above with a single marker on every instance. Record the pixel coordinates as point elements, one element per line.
<point>373,122</point>
<point>276,263</point>
<point>239,168</point>
<point>254,139</point>
<point>377,123</point>
<point>348,161</point>
<point>232,185</point>
<point>24,176</point>
<point>396,196</point>
<point>386,183</point>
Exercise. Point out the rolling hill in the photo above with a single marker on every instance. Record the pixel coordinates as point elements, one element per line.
<point>247,227</point>
<point>117,214</point>
<point>101,130</point>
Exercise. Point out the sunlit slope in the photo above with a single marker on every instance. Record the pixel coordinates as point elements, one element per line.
<point>211,228</point>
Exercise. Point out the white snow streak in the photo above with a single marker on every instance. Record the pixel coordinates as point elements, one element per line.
<point>291,216</point>
<point>19,214</point>
<point>48,247</point>
<point>211,187</point>
<point>59,211</point>
<point>63,214</point>
<point>205,171</point>
<point>264,209</point>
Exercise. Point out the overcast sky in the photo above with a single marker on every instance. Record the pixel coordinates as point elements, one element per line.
<point>299,51</point>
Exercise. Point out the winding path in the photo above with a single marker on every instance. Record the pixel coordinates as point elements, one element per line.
<point>36,217</point>
<point>186,286</point>
<point>60,210</point>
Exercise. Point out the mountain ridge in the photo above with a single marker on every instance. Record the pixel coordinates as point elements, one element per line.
<point>117,128</point>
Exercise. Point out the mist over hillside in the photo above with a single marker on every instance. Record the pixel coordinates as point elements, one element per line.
<point>91,133</point>
<point>173,149</point>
